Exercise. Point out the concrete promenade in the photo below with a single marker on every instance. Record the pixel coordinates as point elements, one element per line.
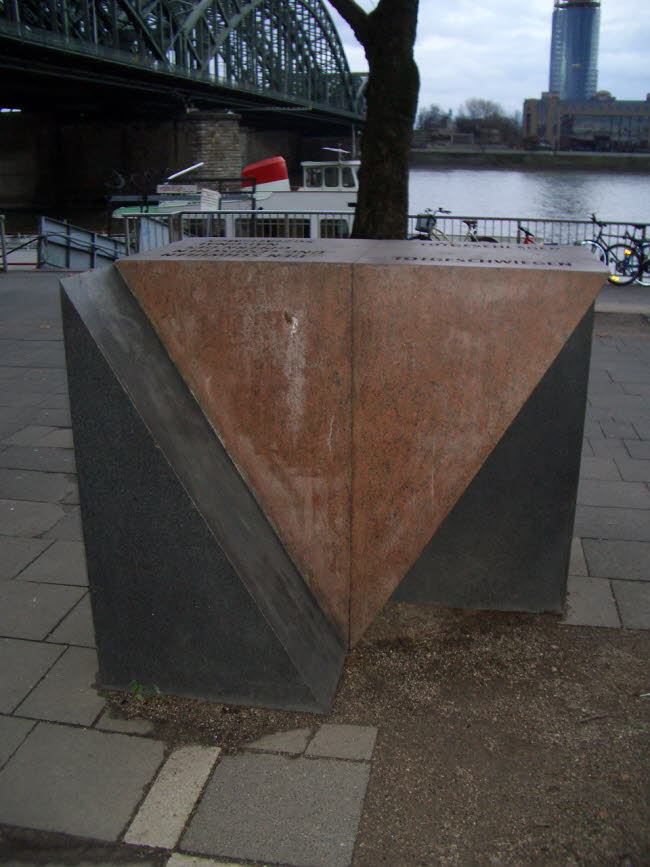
<point>71,771</point>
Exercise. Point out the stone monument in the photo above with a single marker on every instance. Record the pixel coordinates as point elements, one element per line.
<point>274,438</point>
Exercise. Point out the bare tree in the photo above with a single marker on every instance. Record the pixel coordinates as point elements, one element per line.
<point>387,35</point>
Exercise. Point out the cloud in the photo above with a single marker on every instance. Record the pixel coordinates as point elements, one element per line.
<point>500,51</point>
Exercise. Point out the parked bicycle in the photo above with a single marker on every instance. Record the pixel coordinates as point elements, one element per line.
<point>427,230</point>
<point>626,260</point>
<point>599,244</point>
<point>629,261</point>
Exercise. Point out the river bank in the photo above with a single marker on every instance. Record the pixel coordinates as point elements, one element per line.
<point>520,159</point>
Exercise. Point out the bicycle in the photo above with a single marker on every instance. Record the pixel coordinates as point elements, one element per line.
<point>630,261</point>
<point>529,238</point>
<point>626,261</point>
<point>599,243</point>
<point>427,230</point>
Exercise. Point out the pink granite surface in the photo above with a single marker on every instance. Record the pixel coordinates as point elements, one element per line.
<point>444,359</point>
<point>265,349</point>
<point>359,386</point>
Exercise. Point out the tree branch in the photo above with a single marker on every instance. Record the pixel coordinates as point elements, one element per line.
<point>356,17</point>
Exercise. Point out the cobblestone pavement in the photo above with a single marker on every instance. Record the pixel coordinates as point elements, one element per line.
<point>67,767</point>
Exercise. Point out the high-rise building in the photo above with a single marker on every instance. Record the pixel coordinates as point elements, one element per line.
<point>574,49</point>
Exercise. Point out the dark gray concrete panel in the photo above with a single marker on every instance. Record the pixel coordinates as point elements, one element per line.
<point>191,589</point>
<point>506,543</point>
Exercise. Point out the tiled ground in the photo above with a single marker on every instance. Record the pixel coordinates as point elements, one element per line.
<point>66,766</point>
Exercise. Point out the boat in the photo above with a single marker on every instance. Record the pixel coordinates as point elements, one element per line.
<point>259,203</point>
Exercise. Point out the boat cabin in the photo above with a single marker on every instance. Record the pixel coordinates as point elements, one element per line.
<point>330,176</point>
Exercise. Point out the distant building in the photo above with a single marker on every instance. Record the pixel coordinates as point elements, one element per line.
<point>602,123</point>
<point>573,114</point>
<point>574,49</point>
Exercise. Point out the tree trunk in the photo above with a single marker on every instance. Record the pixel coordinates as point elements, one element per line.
<point>388,36</point>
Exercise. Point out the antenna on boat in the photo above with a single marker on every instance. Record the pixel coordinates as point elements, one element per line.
<point>184,171</point>
<point>339,151</point>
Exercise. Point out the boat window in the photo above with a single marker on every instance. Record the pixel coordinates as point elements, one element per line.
<point>347,177</point>
<point>314,178</point>
<point>331,176</point>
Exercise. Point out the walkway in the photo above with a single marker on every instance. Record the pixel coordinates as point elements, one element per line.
<point>69,768</point>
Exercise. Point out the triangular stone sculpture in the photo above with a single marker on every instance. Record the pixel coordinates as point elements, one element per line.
<point>359,386</point>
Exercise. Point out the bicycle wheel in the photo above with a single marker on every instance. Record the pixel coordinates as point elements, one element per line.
<point>643,277</point>
<point>596,248</point>
<point>623,263</point>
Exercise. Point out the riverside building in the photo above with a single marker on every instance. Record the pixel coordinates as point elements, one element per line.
<point>573,114</point>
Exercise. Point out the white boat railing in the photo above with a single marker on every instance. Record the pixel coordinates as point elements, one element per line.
<point>147,231</point>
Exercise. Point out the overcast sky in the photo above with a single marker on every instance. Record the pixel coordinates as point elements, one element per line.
<point>499,50</point>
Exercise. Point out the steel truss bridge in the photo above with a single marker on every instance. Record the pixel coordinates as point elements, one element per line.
<point>265,55</point>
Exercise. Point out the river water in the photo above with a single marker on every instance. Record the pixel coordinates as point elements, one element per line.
<point>613,196</point>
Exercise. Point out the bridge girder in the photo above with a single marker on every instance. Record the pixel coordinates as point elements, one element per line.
<point>287,50</point>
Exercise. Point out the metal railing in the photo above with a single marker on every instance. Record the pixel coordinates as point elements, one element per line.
<point>62,245</point>
<point>510,230</point>
<point>59,244</point>
<point>146,231</point>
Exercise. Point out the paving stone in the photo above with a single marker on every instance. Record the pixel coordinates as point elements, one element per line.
<point>57,401</point>
<point>276,809</point>
<point>64,562</point>
<point>633,600</point>
<point>107,722</point>
<point>577,564</point>
<point>36,486</point>
<point>66,693</point>
<point>292,742</point>
<point>609,558</point>
<point>40,380</point>
<point>11,397</point>
<point>160,820</point>
<point>638,449</point>
<point>601,523</point>
<point>29,435</point>
<point>77,627</point>
<point>343,742</point>
<point>632,495</point>
<point>590,602</point>
<point>633,470</point>
<point>593,431</point>
<point>608,448</point>
<point>17,554</point>
<point>13,732</point>
<point>30,610</point>
<point>53,417</point>
<point>23,664</point>
<point>68,528</point>
<point>629,373</point>
<point>58,438</point>
<point>77,781</point>
<point>599,468</point>
<point>642,429</point>
<point>49,460</point>
<point>24,518</point>
<point>623,405</point>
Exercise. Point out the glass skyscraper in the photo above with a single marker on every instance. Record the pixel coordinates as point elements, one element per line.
<point>574,49</point>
